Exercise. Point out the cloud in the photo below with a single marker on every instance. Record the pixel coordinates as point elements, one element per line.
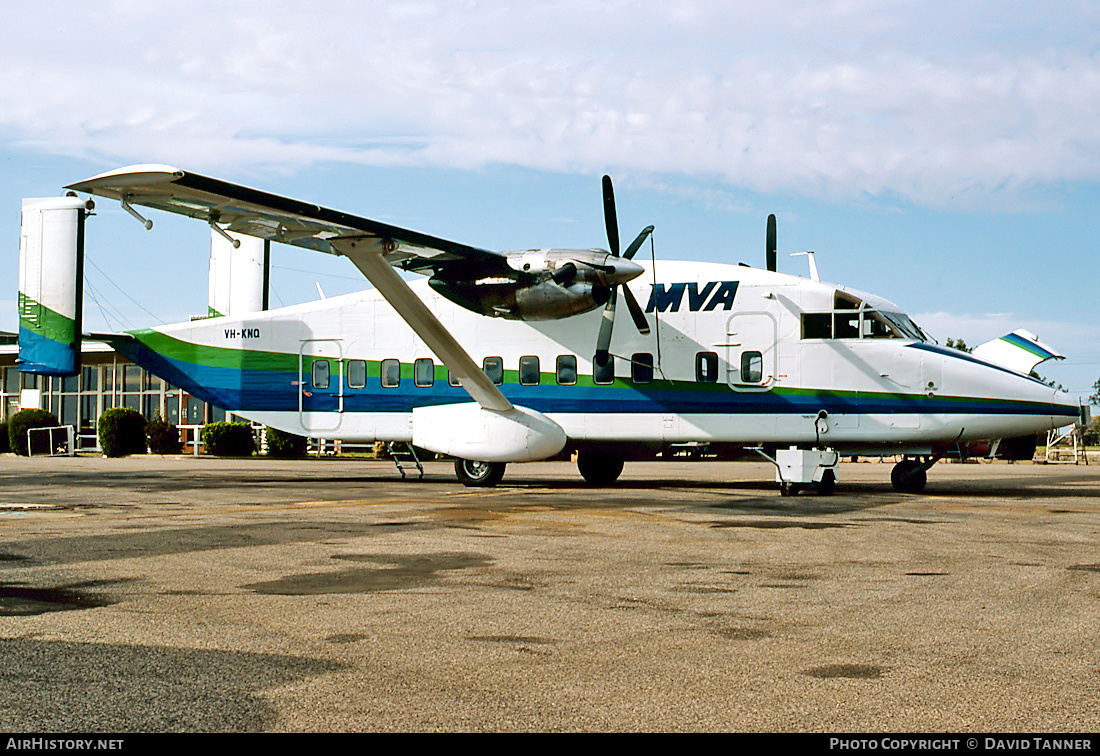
<point>835,100</point>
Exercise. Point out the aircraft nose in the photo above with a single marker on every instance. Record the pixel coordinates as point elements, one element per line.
<point>620,270</point>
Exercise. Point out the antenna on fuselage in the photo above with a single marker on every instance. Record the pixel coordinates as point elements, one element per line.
<point>771,243</point>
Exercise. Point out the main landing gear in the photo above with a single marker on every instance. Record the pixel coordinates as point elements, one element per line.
<point>911,474</point>
<point>479,474</point>
<point>599,469</point>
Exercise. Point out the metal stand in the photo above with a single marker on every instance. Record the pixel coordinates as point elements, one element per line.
<point>407,454</point>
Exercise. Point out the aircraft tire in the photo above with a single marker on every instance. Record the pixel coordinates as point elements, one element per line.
<point>599,469</point>
<point>479,474</point>
<point>908,476</point>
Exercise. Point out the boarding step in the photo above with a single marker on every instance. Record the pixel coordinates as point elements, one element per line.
<point>398,452</point>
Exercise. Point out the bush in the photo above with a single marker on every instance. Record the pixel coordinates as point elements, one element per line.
<point>5,442</point>
<point>22,421</point>
<point>163,437</point>
<point>228,439</point>
<point>121,432</point>
<point>285,445</point>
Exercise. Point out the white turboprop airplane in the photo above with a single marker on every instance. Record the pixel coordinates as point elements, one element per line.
<point>514,356</point>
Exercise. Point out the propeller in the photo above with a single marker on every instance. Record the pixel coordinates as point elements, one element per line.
<point>771,243</point>
<point>611,220</point>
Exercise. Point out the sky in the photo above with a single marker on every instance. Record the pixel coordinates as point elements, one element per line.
<point>942,155</point>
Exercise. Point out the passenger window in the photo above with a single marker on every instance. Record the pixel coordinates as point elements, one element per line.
<point>494,368</point>
<point>391,373</point>
<point>567,369</point>
<point>752,367</point>
<point>453,379</point>
<point>357,374</point>
<point>706,367</point>
<point>529,374</point>
<point>321,372</point>
<point>817,325</point>
<point>641,367</point>
<point>424,372</point>
<point>605,374</point>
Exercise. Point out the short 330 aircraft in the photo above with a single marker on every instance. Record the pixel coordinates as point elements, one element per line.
<point>514,356</point>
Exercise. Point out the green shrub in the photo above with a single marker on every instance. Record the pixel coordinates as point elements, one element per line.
<point>228,439</point>
<point>23,420</point>
<point>163,437</point>
<point>285,445</point>
<point>5,442</point>
<point>121,432</point>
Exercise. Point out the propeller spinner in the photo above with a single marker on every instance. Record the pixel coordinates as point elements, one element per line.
<point>603,341</point>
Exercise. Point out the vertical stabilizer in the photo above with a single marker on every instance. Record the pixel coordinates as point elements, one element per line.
<point>238,276</point>
<point>51,285</point>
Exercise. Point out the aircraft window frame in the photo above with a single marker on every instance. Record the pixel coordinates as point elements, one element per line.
<point>494,368</point>
<point>320,374</point>
<point>424,372</point>
<point>529,371</point>
<point>452,379</point>
<point>565,370</point>
<point>357,379</point>
<point>752,367</point>
<point>706,367</point>
<point>389,376</point>
<point>641,367</point>
<point>604,376</point>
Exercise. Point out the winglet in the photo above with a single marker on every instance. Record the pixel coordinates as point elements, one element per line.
<point>1019,351</point>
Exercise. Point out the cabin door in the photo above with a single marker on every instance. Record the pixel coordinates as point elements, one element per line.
<point>752,351</point>
<point>320,385</point>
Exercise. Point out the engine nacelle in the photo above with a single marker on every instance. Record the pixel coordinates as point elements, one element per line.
<point>521,300</point>
<point>541,284</point>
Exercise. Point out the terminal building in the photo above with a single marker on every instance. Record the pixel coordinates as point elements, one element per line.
<point>106,379</point>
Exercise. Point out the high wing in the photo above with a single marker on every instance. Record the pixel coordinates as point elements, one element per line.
<point>269,216</point>
<point>372,246</point>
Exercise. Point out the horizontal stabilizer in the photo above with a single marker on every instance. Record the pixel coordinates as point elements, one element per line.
<point>1020,351</point>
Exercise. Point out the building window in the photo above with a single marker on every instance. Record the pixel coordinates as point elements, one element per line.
<point>529,374</point>
<point>567,369</point>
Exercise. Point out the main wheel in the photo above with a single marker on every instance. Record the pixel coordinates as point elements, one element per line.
<point>479,474</point>
<point>909,476</point>
<point>599,469</point>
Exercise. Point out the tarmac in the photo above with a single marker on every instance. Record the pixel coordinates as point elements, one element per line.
<point>179,594</point>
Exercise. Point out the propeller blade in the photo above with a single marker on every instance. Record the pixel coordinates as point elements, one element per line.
<point>771,243</point>
<point>611,220</point>
<point>603,341</point>
<point>636,312</point>
<point>637,243</point>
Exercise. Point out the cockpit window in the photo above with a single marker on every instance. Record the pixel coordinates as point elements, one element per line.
<point>861,324</point>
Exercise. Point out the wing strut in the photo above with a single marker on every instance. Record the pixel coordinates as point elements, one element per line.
<point>425,324</point>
